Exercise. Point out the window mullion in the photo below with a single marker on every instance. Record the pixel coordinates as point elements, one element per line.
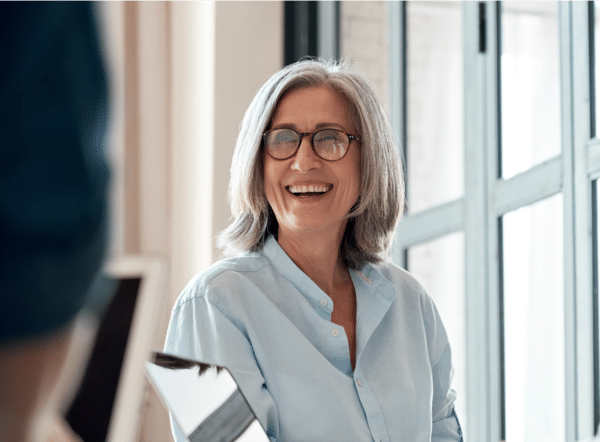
<point>565,32</point>
<point>493,234</point>
<point>398,102</point>
<point>328,30</point>
<point>476,229</point>
<point>578,240</point>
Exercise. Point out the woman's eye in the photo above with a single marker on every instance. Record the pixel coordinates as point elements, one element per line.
<point>285,138</point>
<point>328,137</point>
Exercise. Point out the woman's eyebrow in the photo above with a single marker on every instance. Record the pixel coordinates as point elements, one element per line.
<point>285,126</point>
<point>328,125</point>
<point>317,127</point>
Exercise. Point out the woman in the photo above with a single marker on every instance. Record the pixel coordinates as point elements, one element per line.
<point>327,339</point>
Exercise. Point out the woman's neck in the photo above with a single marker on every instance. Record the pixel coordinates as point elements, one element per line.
<point>317,253</point>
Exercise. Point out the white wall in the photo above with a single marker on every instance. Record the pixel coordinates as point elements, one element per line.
<point>182,75</point>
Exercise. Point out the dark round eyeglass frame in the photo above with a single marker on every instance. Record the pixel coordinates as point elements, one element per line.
<point>312,144</point>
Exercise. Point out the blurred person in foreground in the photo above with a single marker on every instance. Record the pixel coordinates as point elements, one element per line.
<point>328,340</point>
<point>53,180</point>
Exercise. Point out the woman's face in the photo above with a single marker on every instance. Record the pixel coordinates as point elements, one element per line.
<point>308,110</point>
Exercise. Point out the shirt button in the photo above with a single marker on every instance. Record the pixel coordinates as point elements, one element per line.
<point>359,382</point>
<point>335,332</point>
<point>323,302</point>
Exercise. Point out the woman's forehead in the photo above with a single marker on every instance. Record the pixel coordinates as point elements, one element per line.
<point>311,107</point>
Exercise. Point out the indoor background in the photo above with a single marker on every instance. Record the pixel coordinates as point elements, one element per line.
<point>493,104</point>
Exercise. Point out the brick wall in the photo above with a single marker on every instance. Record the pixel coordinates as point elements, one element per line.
<point>364,33</point>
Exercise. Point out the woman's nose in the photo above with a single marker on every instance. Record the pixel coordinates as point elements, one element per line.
<point>305,158</point>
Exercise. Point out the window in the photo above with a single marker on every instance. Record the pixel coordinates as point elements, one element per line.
<point>530,85</point>
<point>495,107</point>
<point>434,146</point>
<point>533,322</point>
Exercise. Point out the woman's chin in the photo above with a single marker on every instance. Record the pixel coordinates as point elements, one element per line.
<point>311,225</point>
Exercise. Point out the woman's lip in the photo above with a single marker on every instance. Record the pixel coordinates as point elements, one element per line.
<point>309,196</point>
<point>309,183</point>
<point>309,188</point>
<point>288,188</point>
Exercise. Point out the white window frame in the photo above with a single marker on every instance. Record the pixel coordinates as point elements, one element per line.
<point>488,197</point>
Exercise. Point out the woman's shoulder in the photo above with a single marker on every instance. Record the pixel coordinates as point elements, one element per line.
<point>415,298</point>
<point>403,281</point>
<point>223,273</point>
<point>405,286</point>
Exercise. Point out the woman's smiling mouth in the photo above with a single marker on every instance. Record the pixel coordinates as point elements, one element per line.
<point>309,190</point>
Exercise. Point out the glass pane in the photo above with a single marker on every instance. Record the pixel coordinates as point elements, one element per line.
<point>596,72</point>
<point>596,301</point>
<point>435,104</point>
<point>534,359</point>
<point>439,265</point>
<point>530,85</point>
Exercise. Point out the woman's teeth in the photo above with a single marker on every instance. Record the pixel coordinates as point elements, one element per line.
<point>308,189</point>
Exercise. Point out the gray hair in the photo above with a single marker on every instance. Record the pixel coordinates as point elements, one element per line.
<point>373,219</point>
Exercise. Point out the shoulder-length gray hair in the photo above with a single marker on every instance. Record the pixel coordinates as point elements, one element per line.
<point>373,219</point>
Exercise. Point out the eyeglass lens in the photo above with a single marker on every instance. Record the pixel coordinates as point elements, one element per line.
<point>329,144</point>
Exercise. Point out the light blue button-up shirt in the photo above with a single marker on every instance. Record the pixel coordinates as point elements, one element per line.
<point>270,324</point>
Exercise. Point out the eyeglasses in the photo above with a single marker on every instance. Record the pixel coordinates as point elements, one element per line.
<point>328,144</point>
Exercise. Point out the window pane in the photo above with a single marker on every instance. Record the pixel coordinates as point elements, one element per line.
<point>596,301</point>
<point>439,265</point>
<point>534,358</point>
<point>597,55</point>
<point>434,148</point>
<point>530,85</point>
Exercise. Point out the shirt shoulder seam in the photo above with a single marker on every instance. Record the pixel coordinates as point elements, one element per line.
<point>196,289</point>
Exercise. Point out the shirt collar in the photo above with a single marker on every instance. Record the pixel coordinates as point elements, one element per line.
<point>374,280</point>
<point>290,271</point>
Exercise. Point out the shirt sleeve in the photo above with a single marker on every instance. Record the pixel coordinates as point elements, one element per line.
<point>445,424</point>
<point>199,330</point>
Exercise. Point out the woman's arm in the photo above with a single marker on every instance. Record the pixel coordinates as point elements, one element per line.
<point>199,330</point>
<point>445,424</point>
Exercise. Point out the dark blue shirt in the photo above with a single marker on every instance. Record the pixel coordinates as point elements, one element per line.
<point>53,175</point>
